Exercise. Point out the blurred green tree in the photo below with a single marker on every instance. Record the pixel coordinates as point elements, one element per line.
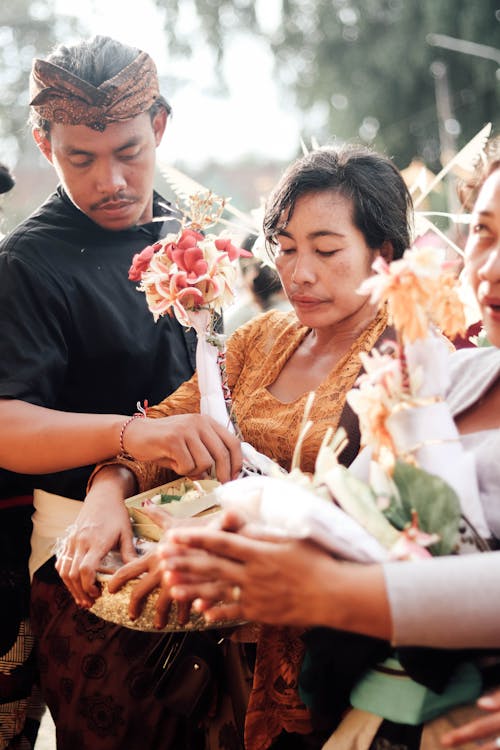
<point>363,69</point>
<point>27,28</point>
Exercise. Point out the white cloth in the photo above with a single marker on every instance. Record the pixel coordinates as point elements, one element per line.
<point>454,602</point>
<point>53,514</point>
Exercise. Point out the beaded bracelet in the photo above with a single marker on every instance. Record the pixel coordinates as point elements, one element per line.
<point>139,414</point>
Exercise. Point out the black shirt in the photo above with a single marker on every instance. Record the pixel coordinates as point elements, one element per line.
<point>75,334</point>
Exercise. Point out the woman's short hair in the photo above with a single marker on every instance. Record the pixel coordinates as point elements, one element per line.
<point>94,60</point>
<point>382,205</point>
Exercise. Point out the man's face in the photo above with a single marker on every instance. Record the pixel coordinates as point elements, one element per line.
<point>108,175</point>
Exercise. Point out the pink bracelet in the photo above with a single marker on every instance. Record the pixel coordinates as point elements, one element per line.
<point>140,414</point>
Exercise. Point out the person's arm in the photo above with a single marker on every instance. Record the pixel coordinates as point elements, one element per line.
<point>282,582</point>
<point>446,602</point>
<point>39,441</point>
<point>432,603</point>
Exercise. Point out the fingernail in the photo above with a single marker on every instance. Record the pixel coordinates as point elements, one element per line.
<point>197,604</point>
<point>177,592</point>
<point>486,701</point>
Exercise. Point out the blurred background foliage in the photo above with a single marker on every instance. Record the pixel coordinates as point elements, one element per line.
<point>364,69</point>
<point>360,70</point>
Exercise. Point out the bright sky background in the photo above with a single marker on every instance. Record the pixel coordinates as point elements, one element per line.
<point>205,127</point>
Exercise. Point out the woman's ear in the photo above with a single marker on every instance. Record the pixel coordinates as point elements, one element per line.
<point>387,251</point>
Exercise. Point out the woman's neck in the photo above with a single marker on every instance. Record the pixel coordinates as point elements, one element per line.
<point>337,340</point>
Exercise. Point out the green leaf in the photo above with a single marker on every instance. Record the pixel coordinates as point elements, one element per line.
<point>358,500</point>
<point>436,503</point>
<point>169,498</point>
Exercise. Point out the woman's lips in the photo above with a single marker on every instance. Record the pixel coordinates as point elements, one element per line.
<point>305,301</point>
<point>492,306</point>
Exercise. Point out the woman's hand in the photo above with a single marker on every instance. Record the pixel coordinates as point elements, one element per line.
<point>103,524</point>
<point>487,728</point>
<point>190,444</point>
<point>257,579</point>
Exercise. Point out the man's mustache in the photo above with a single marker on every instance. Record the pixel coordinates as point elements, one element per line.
<point>117,198</point>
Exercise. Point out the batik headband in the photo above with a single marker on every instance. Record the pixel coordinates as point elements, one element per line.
<point>60,96</point>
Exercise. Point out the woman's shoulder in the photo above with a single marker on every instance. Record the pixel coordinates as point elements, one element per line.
<point>472,372</point>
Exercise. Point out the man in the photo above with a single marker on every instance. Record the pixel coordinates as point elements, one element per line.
<point>79,348</point>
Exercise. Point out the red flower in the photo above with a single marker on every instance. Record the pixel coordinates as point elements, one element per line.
<point>189,238</point>
<point>233,252</point>
<point>187,255</point>
<point>140,261</point>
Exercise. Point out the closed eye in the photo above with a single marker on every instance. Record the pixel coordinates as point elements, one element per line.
<point>129,156</point>
<point>327,253</point>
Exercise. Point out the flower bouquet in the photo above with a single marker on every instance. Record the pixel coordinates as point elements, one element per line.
<point>192,276</point>
<point>404,495</point>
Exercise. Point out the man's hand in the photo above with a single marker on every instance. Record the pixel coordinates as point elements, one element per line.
<point>190,444</point>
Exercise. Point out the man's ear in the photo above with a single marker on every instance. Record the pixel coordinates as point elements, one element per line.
<point>43,143</point>
<point>159,124</point>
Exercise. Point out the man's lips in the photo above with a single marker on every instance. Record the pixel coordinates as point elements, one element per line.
<point>114,205</point>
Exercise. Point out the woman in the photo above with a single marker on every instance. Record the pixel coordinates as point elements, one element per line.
<point>326,222</point>
<point>446,602</point>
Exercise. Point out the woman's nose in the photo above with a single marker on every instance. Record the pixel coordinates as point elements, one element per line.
<point>303,271</point>
<point>490,269</point>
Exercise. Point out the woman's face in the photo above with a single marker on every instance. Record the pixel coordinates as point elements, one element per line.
<point>482,255</point>
<point>322,259</point>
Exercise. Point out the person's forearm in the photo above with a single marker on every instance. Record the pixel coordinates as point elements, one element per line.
<point>113,481</point>
<point>446,602</point>
<point>36,440</point>
<point>355,599</point>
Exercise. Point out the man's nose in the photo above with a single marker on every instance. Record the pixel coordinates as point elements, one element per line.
<point>109,177</point>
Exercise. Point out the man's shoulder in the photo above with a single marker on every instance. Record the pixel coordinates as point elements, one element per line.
<point>42,223</point>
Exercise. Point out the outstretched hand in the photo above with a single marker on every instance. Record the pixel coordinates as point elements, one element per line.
<point>263,579</point>
<point>486,729</point>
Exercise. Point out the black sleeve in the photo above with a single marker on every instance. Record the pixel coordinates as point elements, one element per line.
<point>33,332</point>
